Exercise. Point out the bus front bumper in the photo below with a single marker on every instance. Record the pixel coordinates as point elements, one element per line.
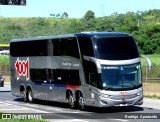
<point>107,102</point>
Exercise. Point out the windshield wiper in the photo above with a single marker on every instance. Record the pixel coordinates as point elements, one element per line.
<point>135,86</point>
<point>107,88</point>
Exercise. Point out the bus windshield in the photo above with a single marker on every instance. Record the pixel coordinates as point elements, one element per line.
<point>115,48</point>
<point>121,77</point>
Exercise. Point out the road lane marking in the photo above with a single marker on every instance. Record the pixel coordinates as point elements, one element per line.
<point>112,119</point>
<point>12,103</point>
<point>53,108</point>
<point>4,109</point>
<point>40,111</point>
<point>34,105</point>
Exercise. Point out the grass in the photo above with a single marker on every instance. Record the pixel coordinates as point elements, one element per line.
<point>155,59</point>
<point>152,96</point>
<point>4,60</point>
<point>155,73</point>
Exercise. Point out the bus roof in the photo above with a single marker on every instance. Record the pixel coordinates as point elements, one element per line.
<point>43,37</point>
<point>88,34</point>
<point>93,34</point>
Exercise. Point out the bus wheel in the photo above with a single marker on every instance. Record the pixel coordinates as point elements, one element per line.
<point>30,96</point>
<point>81,102</point>
<point>24,95</point>
<point>71,101</point>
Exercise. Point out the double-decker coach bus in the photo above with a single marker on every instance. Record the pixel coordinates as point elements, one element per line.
<point>99,69</point>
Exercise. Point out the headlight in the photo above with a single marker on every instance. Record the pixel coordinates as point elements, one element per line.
<point>104,95</point>
<point>139,93</point>
<point>1,79</point>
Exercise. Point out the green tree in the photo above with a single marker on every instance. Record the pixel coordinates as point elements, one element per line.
<point>89,15</point>
<point>89,21</point>
<point>131,21</point>
<point>58,15</point>
<point>64,15</point>
<point>53,15</point>
<point>104,24</point>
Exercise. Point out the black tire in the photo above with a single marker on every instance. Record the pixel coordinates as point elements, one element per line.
<point>30,95</point>
<point>24,95</point>
<point>71,101</point>
<point>2,85</point>
<point>80,101</point>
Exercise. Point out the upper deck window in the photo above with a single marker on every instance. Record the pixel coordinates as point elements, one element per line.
<point>46,47</point>
<point>115,48</point>
<point>86,46</point>
<point>68,47</point>
<point>29,48</point>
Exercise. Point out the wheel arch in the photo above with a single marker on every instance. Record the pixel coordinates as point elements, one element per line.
<point>68,91</point>
<point>77,94</point>
<point>28,87</point>
<point>22,88</point>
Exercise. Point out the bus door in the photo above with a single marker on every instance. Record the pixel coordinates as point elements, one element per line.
<point>41,79</point>
<point>58,88</point>
<point>66,79</point>
<point>91,77</point>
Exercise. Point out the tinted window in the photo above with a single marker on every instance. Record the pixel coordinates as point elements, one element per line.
<point>55,76</point>
<point>29,48</point>
<point>70,77</point>
<point>56,47</point>
<point>68,47</point>
<point>39,74</point>
<point>91,74</point>
<point>116,48</point>
<point>121,77</point>
<point>86,46</point>
<point>66,77</point>
<point>92,79</point>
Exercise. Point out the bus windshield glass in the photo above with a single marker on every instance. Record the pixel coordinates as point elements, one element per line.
<point>121,77</point>
<point>115,48</point>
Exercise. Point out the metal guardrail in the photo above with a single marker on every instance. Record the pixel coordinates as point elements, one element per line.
<point>151,79</point>
<point>7,73</point>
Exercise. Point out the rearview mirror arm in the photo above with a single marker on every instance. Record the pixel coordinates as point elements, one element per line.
<point>148,61</point>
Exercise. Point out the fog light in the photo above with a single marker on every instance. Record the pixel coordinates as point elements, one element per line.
<point>104,102</point>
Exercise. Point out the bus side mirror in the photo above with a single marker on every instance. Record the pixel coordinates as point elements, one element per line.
<point>148,61</point>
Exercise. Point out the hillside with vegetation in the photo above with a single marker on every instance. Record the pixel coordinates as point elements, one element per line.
<point>144,26</point>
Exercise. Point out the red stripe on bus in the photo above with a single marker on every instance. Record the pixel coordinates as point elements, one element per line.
<point>72,86</point>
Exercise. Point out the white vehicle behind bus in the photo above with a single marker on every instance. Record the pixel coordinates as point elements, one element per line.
<point>4,52</point>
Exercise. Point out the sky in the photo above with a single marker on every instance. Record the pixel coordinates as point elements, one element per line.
<point>77,8</point>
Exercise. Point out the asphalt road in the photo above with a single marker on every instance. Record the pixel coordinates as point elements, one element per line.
<point>60,111</point>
